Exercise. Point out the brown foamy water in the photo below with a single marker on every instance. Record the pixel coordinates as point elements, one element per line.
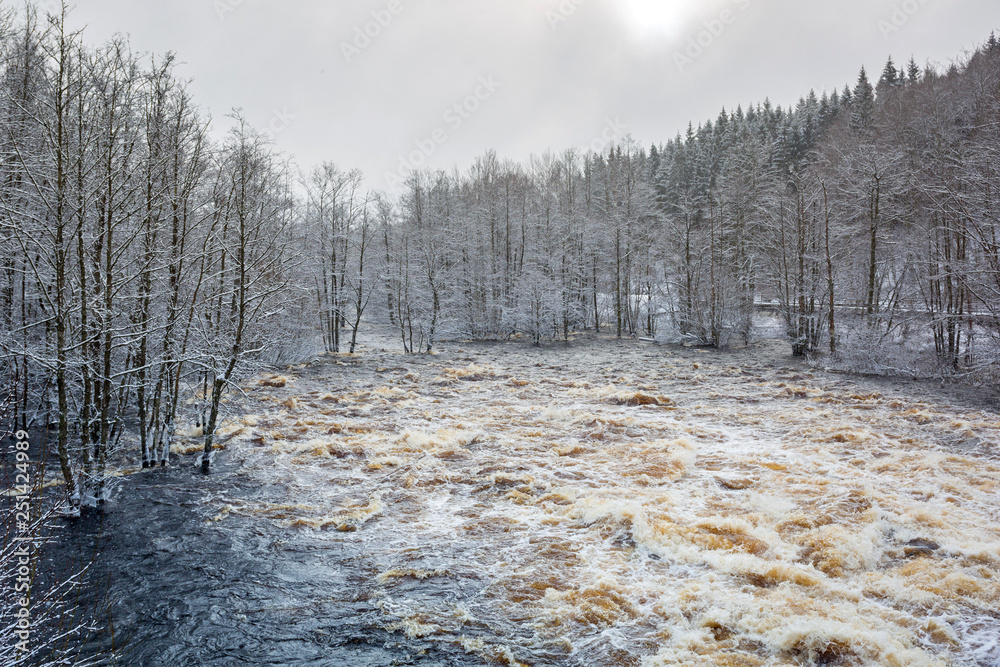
<point>621,504</point>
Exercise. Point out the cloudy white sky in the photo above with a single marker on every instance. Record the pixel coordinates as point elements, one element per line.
<point>550,74</point>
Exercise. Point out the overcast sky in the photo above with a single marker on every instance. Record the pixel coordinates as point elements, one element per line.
<point>526,75</point>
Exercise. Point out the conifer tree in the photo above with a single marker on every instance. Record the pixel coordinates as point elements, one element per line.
<point>863,107</point>
<point>891,77</point>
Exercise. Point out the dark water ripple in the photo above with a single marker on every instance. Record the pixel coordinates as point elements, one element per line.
<point>186,591</point>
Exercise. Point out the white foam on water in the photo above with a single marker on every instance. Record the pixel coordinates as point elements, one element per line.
<point>617,506</point>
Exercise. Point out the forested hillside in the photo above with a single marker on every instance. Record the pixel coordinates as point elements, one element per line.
<point>144,262</point>
<point>867,216</point>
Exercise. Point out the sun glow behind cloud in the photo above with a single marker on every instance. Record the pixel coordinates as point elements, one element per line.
<point>656,18</point>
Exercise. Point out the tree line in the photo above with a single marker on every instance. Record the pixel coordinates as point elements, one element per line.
<point>147,267</point>
<point>864,219</point>
<point>140,258</point>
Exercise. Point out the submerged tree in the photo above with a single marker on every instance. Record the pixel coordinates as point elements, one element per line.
<point>251,217</point>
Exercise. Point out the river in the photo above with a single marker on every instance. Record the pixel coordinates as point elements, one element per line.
<point>593,503</point>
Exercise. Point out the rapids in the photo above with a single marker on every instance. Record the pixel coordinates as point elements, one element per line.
<point>593,503</point>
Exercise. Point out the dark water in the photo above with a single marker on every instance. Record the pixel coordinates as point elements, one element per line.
<point>184,590</point>
<point>258,588</point>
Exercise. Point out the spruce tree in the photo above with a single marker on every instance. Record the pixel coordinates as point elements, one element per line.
<point>863,108</point>
<point>890,76</point>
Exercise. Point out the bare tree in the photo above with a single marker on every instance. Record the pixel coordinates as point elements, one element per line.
<point>254,209</point>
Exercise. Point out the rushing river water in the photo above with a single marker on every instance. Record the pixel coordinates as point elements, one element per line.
<point>591,504</point>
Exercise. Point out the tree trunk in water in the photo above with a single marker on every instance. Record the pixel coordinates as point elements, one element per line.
<point>213,418</point>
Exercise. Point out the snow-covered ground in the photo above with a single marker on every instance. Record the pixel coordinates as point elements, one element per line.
<point>619,503</point>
